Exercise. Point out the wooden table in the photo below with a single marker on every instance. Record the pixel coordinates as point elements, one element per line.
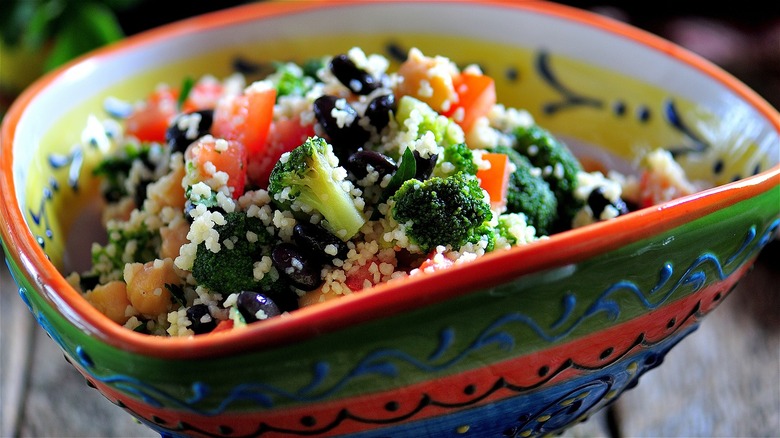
<point>723,380</point>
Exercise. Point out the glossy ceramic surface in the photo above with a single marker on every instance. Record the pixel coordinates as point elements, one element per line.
<point>519,343</point>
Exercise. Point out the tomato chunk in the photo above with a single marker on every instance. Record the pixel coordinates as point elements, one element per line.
<point>246,118</point>
<point>284,135</point>
<point>435,262</point>
<point>211,155</point>
<point>150,120</point>
<point>476,96</point>
<point>204,95</point>
<point>496,179</point>
<point>363,276</point>
<point>223,326</point>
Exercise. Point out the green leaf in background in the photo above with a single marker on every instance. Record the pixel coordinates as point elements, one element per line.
<point>43,23</point>
<point>15,16</point>
<point>186,87</point>
<point>68,28</point>
<point>87,27</point>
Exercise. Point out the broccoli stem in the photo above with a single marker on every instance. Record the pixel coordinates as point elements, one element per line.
<point>342,218</point>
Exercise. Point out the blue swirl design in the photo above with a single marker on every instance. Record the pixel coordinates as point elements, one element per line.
<point>577,399</point>
<point>569,98</point>
<point>385,363</point>
<point>674,119</point>
<point>528,414</point>
<point>41,216</point>
<point>73,161</point>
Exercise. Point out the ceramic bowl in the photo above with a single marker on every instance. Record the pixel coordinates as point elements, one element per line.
<point>518,343</point>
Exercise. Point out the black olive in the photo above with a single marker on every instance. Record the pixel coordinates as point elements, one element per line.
<point>379,109</point>
<point>303,272</point>
<point>598,202</point>
<point>358,162</point>
<point>140,193</point>
<point>249,303</point>
<point>180,137</point>
<point>345,139</point>
<point>285,298</point>
<point>424,166</point>
<point>356,79</point>
<point>319,240</point>
<point>200,318</point>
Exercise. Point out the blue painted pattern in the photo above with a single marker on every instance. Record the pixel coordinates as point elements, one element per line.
<point>385,363</point>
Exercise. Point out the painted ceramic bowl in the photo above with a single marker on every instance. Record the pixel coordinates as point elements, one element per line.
<point>517,343</point>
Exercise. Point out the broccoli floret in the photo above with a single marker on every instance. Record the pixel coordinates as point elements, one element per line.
<point>231,269</point>
<point>289,79</point>
<point>415,118</point>
<point>485,233</point>
<point>529,194</point>
<point>116,170</point>
<point>442,211</point>
<point>559,168</point>
<point>513,229</point>
<point>210,201</point>
<point>125,245</point>
<point>309,180</point>
<point>312,66</point>
<point>456,158</point>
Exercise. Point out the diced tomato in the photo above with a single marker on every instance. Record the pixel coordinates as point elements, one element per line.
<point>208,158</point>
<point>657,187</point>
<point>150,121</point>
<point>496,179</point>
<point>645,192</point>
<point>204,95</point>
<point>223,326</point>
<point>435,261</point>
<point>361,277</point>
<point>246,118</point>
<point>284,135</point>
<point>476,96</point>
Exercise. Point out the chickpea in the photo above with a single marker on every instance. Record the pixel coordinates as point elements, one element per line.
<point>119,211</point>
<point>147,285</point>
<point>173,237</point>
<point>168,191</point>
<point>111,300</point>
<point>318,296</point>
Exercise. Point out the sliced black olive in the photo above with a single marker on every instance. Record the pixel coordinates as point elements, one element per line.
<point>347,137</point>
<point>302,270</point>
<point>353,77</point>
<point>250,303</point>
<point>186,128</point>
<point>322,243</point>
<point>201,320</point>
<point>425,165</point>
<point>358,163</point>
<point>379,109</point>
<point>598,202</point>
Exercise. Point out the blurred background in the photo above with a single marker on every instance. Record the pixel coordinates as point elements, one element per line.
<point>723,383</point>
<point>38,35</point>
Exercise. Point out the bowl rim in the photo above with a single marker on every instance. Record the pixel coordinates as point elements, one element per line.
<point>575,245</point>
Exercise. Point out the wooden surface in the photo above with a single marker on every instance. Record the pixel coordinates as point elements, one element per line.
<point>723,380</point>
